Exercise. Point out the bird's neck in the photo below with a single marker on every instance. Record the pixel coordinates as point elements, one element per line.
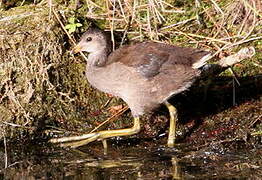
<point>98,59</point>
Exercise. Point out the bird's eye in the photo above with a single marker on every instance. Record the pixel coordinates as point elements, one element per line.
<point>88,39</point>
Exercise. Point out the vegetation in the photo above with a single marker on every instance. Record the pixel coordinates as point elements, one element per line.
<point>44,87</point>
<point>44,92</point>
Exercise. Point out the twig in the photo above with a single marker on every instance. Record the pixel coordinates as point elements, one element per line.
<point>258,133</point>
<point>6,157</point>
<point>11,95</point>
<point>258,65</point>
<point>235,58</point>
<point>109,119</point>
<point>169,11</point>
<point>64,29</point>
<point>217,7</point>
<point>94,4</point>
<point>176,24</point>
<point>243,53</point>
<point>112,22</point>
<point>122,11</point>
<point>124,36</point>
<point>255,121</point>
<point>149,24</point>
<point>244,41</point>
<point>50,4</point>
<point>14,125</point>
<point>107,102</point>
<point>218,26</point>
<point>158,14</point>
<point>100,17</point>
<point>234,88</point>
<point>234,75</point>
<point>244,22</point>
<point>57,130</point>
<point>203,37</point>
<point>227,46</point>
<point>248,5</point>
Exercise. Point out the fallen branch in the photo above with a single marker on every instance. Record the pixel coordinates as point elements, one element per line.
<point>226,62</point>
<point>244,53</point>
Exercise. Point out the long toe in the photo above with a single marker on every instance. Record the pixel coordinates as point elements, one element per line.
<point>75,141</point>
<point>72,138</point>
<point>83,142</point>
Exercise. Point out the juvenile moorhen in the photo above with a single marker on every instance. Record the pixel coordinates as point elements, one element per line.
<point>144,75</point>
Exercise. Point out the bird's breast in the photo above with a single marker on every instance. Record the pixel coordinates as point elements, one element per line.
<point>113,79</point>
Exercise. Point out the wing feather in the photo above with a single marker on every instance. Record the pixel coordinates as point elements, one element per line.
<point>149,57</point>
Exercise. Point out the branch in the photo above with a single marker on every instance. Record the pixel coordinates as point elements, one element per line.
<point>244,53</point>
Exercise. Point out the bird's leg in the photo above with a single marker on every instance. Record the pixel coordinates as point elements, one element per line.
<point>76,141</point>
<point>172,127</point>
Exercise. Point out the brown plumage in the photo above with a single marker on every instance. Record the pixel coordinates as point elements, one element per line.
<point>144,75</point>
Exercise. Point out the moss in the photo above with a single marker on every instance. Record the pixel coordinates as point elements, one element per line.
<point>41,81</point>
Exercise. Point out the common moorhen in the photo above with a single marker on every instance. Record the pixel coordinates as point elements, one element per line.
<point>144,75</point>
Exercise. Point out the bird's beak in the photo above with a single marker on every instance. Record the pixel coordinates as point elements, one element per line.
<point>76,49</point>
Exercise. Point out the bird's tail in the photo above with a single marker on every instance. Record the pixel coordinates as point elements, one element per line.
<point>203,61</point>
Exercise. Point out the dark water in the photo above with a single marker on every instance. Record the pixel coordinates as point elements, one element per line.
<point>143,160</point>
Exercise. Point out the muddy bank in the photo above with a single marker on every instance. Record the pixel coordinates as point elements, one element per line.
<point>41,83</point>
<point>44,93</point>
<point>146,160</point>
<point>44,90</point>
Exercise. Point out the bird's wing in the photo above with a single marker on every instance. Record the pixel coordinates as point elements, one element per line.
<point>148,57</point>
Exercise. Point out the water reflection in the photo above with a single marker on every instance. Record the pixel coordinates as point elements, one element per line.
<point>142,166</point>
<point>130,162</point>
<point>127,161</point>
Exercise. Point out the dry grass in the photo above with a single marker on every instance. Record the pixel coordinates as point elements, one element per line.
<point>39,80</point>
<point>206,24</point>
<point>220,28</point>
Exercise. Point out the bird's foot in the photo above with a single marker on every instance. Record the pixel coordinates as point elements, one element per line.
<point>75,141</point>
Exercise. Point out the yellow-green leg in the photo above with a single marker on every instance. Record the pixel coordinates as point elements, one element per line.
<point>177,174</point>
<point>172,126</point>
<point>76,141</point>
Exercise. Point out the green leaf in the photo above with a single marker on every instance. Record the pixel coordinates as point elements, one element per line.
<point>68,26</point>
<point>71,20</point>
<point>72,26</point>
<point>78,25</point>
<point>70,31</point>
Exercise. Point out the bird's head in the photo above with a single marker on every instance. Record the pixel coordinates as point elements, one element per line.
<point>92,41</point>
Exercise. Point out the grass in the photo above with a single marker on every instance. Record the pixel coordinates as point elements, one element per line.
<point>58,87</point>
<point>44,87</point>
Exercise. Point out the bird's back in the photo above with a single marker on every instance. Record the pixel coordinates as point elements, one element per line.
<point>154,72</point>
<point>151,54</point>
